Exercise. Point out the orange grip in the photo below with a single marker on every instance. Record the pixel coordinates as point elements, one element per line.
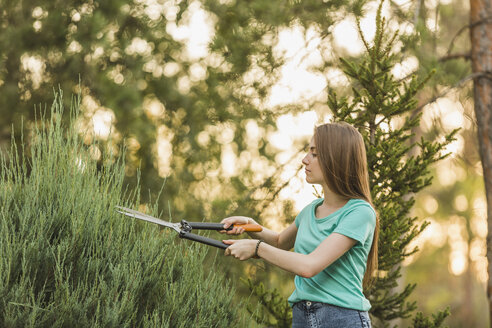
<point>250,227</point>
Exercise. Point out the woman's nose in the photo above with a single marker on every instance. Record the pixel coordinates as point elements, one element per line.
<point>305,160</point>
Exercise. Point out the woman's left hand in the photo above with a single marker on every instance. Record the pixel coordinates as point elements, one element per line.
<point>242,249</point>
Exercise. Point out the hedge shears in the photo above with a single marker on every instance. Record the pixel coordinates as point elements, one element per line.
<point>184,227</point>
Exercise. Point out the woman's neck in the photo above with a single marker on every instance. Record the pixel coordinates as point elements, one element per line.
<point>331,199</point>
<point>331,203</point>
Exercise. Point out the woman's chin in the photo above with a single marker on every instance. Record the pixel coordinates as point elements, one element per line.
<point>313,181</point>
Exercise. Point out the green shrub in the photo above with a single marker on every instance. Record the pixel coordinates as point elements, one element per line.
<point>69,260</point>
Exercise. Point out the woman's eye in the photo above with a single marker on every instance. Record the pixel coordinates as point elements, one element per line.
<point>314,155</point>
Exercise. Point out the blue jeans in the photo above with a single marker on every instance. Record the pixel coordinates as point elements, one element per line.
<point>321,315</point>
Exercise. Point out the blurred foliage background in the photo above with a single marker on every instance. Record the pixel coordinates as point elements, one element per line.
<point>217,98</point>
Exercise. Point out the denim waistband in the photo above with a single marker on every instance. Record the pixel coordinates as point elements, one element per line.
<point>315,305</point>
<point>320,315</point>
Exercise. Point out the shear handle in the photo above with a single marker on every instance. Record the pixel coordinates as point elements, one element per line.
<point>208,226</point>
<point>203,240</point>
<point>220,226</point>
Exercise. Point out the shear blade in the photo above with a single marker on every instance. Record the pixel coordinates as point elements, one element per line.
<point>148,218</point>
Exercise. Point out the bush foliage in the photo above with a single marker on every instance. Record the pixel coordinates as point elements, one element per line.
<point>69,260</point>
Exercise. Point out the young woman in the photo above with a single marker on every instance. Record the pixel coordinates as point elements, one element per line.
<point>334,238</point>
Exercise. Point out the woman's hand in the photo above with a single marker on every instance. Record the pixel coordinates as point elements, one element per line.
<point>237,230</point>
<point>242,249</point>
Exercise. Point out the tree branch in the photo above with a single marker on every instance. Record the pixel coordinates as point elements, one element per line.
<point>464,28</point>
<point>416,13</point>
<point>447,90</point>
<point>464,55</point>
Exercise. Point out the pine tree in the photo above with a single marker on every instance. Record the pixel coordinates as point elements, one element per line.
<point>382,108</point>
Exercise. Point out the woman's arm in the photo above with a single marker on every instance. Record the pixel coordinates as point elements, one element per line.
<point>330,249</point>
<point>284,240</point>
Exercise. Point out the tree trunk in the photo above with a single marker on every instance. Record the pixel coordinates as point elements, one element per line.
<point>481,58</point>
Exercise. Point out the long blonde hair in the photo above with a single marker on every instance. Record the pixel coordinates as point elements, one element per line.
<point>343,161</point>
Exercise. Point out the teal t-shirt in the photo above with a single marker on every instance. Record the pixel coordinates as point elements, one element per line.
<point>340,283</point>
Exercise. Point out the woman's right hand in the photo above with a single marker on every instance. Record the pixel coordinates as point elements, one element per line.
<point>237,221</point>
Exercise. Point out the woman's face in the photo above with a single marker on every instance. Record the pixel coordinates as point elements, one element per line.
<point>314,174</point>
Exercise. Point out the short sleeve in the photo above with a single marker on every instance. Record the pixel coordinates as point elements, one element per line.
<point>300,216</point>
<point>297,221</point>
<point>358,223</point>
<point>305,212</point>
